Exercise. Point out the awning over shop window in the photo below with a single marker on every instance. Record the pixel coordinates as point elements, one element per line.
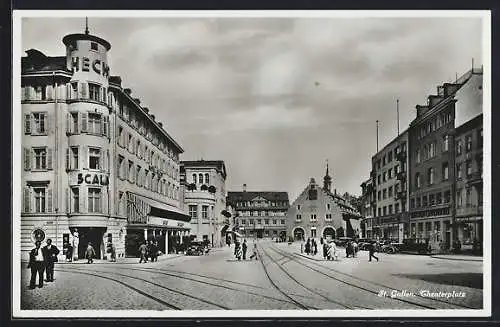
<point>140,207</point>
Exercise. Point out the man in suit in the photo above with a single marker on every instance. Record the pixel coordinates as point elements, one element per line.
<point>37,265</point>
<point>50,253</point>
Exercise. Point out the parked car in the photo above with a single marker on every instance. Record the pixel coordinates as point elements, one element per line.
<point>196,248</point>
<point>342,241</point>
<point>391,248</point>
<point>419,246</point>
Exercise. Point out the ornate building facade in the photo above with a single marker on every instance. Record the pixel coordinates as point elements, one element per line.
<point>317,212</point>
<point>98,167</point>
<point>259,214</point>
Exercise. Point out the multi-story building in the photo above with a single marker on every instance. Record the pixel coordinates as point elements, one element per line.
<point>259,214</point>
<point>98,167</point>
<point>390,191</point>
<point>469,181</point>
<point>205,198</point>
<point>367,197</point>
<point>433,158</point>
<point>317,212</point>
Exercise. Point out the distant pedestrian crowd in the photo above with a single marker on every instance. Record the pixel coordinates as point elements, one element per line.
<point>241,249</point>
<point>331,252</point>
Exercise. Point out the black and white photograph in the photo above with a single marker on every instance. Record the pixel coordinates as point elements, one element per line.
<point>251,163</point>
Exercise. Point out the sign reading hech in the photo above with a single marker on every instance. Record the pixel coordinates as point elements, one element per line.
<point>84,64</point>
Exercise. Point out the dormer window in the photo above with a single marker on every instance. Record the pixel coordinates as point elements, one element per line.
<point>93,46</point>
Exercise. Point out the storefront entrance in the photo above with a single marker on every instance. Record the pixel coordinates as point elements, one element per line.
<point>298,234</point>
<point>329,233</point>
<point>93,235</point>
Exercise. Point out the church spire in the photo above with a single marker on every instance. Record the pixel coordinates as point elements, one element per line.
<point>327,180</point>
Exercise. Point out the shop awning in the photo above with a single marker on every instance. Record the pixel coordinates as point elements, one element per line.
<point>157,209</point>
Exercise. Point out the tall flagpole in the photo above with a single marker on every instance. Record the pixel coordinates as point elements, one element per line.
<point>397,111</point>
<point>377,136</point>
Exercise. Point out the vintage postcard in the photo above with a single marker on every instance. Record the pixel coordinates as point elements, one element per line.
<point>251,164</point>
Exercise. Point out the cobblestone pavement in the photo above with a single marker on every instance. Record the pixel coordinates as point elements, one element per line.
<point>280,279</point>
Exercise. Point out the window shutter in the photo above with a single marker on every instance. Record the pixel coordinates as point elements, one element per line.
<point>105,125</point>
<point>68,123</point>
<point>85,157</point>
<point>27,123</point>
<point>46,119</point>
<point>102,124</point>
<point>27,199</point>
<point>49,91</point>
<point>84,122</point>
<point>49,200</point>
<point>68,157</point>
<point>84,90</point>
<point>27,159</point>
<point>68,205</point>
<point>68,91</point>
<point>81,198</point>
<point>49,158</point>
<point>101,160</point>
<point>108,159</point>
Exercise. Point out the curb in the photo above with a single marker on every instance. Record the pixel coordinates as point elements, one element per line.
<point>456,259</point>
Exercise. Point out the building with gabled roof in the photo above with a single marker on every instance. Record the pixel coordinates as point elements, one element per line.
<point>319,212</point>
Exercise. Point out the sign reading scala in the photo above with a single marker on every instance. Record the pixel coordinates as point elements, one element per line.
<point>94,179</point>
<point>84,64</point>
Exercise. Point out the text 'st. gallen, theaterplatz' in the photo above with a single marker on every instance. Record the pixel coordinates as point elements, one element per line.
<point>98,167</point>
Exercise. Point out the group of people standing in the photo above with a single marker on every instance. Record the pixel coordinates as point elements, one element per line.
<point>148,249</point>
<point>330,251</point>
<point>42,261</point>
<point>240,250</point>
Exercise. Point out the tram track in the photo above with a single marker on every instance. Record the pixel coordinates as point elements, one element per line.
<point>302,285</point>
<point>296,259</point>
<point>92,272</point>
<point>147,295</point>
<point>171,274</point>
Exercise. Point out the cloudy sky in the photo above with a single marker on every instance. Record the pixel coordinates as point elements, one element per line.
<point>275,97</point>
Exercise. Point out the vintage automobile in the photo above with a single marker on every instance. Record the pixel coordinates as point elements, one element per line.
<point>196,248</point>
<point>342,241</point>
<point>413,245</point>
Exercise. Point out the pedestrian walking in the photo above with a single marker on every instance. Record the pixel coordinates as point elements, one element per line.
<point>50,253</point>
<point>148,251</point>
<point>332,251</point>
<point>154,251</point>
<point>315,246</point>
<point>69,253</point>
<point>321,241</point>
<point>113,252</point>
<point>371,251</point>
<point>237,250</point>
<point>244,248</point>
<point>254,254</point>
<point>36,264</point>
<point>143,252</point>
<point>90,253</point>
<point>325,250</point>
<point>308,247</point>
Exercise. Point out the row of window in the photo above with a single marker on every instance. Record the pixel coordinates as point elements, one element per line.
<point>267,233</point>
<point>389,174</point>
<point>468,142</point>
<point>267,222</point>
<point>145,127</point>
<point>262,204</point>
<point>93,158</point>
<point>143,177</point>
<point>200,179</point>
<point>388,192</point>
<point>391,155</point>
<point>143,152</point>
<point>262,213</point>
<point>468,201</point>
<point>434,124</point>
<point>328,206</point>
<point>388,210</point>
<point>39,199</point>
<point>313,217</point>
<point>431,200</point>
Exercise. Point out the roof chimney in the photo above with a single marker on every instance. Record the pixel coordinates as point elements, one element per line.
<point>146,109</point>
<point>244,187</point>
<point>152,117</point>
<point>127,91</point>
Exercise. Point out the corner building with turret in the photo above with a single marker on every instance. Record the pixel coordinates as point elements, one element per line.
<point>97,166</point>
